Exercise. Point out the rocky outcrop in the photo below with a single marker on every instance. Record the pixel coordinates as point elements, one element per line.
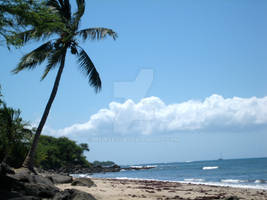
<point>72,194</point>
<point>40,190</point>
<point>24,185</point>
<point>25,176</point>
<point>77,169</point>
<point>5,169</point>
<point>59,179</point>
<point>83,182</point>
<point>138,167</point>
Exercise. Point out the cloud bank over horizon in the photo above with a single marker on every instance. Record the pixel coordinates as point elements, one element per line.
<point>152,116</point>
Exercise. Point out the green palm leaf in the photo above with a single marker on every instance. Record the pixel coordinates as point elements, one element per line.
<point>34,58</point>
<point>24,36</point>
<point>97,33</point>
<point>62,7</point>
<point>79,13</point>
<point>54,4</point>
<point>54,59</point>
<point>89,70</point>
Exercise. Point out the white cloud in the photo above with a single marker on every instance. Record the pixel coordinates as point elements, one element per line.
<point>152,116</point>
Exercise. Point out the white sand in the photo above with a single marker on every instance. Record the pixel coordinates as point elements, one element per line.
<point>114,189</point>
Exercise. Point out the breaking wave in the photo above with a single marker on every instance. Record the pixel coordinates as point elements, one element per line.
<point>210,168</point>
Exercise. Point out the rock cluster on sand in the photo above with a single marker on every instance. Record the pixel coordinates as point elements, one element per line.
<point>74,195</point>
<point>83,182</point>
<point>22,184</point>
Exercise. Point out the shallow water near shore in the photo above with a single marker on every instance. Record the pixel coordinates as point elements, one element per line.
<point>244,173</point>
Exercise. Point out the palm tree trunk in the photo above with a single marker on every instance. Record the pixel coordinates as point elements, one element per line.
<point>29,160</point>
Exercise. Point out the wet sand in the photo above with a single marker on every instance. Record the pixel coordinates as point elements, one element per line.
<point>117,189</point>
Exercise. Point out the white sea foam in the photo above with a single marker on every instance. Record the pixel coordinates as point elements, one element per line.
<point>262,187</point>
<point>210,167</point>
<point>233,181</point>
<point>191,180</point>
<point>134,166</point>
<point>260,181</point>
<point>80,175</point>
<point>143,166</point>
<point>137,179</point>
<point>152,166</point>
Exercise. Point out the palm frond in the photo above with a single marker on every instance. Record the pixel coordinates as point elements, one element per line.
<point>53,60</point>
<point>25,36</point>
<point>89,70</point>
<point>54,4</point>
<point>97,33</point>
<point>62,7</point>
<point>35,57</point>
<point>67,9</point>
<point>79,13</point>
<point>21,38</point>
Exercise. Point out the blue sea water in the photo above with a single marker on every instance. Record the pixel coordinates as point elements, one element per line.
<point>248,173</point>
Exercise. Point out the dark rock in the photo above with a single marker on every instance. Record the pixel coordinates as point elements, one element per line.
<point>59,179</point>
<point>114,168</point>
<point>78,169</point>
<point>24,185</point>
<point>31,178</point>
<point>72,194</point>
<point>11,195</point>
<point>138,167</point>
<point>8,184</point>
<point>40,190</point>
<point>6,169</point>
<point>83,182</point>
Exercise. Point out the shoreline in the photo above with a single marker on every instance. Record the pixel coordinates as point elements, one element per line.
<point>110,188</point>
<point>218,184</point>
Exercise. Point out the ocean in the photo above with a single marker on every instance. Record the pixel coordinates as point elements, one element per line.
<point>246,173</point>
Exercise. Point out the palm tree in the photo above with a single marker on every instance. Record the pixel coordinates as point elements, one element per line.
<point>12,129</point>
<point>55,51</point>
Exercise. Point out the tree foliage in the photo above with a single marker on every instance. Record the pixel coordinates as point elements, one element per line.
<point>53,153</point>
<point>15,136</point>
<point>22,20</point>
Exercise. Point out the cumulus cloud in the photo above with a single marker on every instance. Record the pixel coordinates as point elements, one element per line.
<point>152,116</point>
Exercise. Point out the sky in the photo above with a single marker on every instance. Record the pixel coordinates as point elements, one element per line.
<point>185,80</point>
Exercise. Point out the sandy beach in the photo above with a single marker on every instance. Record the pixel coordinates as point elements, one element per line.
<point>118,189</point>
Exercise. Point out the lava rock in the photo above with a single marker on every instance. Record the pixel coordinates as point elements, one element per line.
<point>59,179</point>
<point>83,182</point>
<point>6,169</point>
<point>26,177</point>
<point>40,190</point>
<point>72,194</point>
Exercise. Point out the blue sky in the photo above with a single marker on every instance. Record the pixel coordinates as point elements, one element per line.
<point>206,97</point>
